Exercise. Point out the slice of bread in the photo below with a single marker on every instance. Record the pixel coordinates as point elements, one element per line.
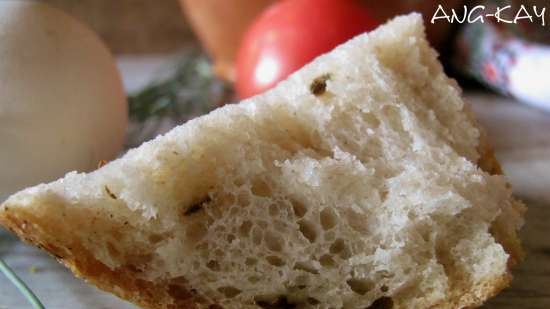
<point>360,182</point>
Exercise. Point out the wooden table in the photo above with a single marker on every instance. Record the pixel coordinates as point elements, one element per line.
<point>521,136</point>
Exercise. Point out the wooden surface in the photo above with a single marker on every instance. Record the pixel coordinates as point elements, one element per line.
<point>521,136</point>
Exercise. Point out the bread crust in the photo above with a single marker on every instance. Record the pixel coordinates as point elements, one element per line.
<point>473,297</point>
<point>489,163</point>
<point>121,281</point>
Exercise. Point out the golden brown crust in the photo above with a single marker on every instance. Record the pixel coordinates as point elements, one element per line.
<point>122,282</point>
<point>472,297</point>
<point>488,162</point>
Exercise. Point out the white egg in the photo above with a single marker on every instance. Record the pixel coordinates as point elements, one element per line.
<point>62,104</point>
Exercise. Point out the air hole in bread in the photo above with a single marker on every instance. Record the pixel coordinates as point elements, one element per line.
<point>313,301</point>
<point>360,286</point>
<point>339,247</point>
<point>197,264</point>
<point>299,208</point>
<point>382,303</point>
<point>243,199</point>
<point>226,199</point>
<point>139,259</point>
<point>327,261</point>
<point>113,251</point>
<point>274,210</point>
<point>239,181</point>
<point>384,288</point>
<point>308,230</point>
<point>250,261</point>
<point>329,236</point>
<point>257,235</point>
<point>280,302</point>
<point>179,291</point>
<point>213,265</point>
<point>229,291</point>
<point>263,224</point>
<point>384,274</point>
<point>275,260</point>
<point>235,210</point>
<point>370,119</point>
<point>273,242</point>
<point>260,188</point>
<point>244,229</point>
<point>357,222</point>
<point>426,235</point>
<point>383,195</point>
<point>196,231</point>
<point>220,253</point>
<point>156,238</point>
<point>328,218</point>
<point>220,229</point>
<point>304,266</point>
<point>230,238</point>
<point>133,268</point>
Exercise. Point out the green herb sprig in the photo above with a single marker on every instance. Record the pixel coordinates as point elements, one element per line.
<point>192,89</point>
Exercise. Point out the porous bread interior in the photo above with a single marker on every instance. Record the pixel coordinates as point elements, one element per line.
<point>353,184</point>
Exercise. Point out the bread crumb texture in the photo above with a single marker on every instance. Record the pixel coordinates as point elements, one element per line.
<point>354,184</point>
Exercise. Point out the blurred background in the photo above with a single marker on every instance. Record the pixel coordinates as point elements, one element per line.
<point>178,59</point>
<point>481,54</point>
<point>143,27</point>
<point>133,26</point>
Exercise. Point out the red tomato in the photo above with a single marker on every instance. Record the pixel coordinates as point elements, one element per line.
<point>291,33</point>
